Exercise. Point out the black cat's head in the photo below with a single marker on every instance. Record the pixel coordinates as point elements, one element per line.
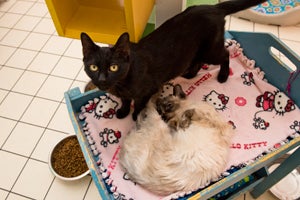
<point>106,66</point>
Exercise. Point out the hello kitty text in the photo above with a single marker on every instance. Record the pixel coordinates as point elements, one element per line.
<point>197,83</point>
<point>249,145</point>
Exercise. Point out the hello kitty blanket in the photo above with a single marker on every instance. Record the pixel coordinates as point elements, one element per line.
<point>262,116</point>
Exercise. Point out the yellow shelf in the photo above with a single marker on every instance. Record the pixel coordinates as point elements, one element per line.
<point>103,20</point>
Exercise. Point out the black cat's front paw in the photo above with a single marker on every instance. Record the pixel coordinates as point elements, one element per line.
<point>121,113</point>
<point>192,71</point>
<point>222,77</point>
<point>124,110</point>
<point>134,116</point>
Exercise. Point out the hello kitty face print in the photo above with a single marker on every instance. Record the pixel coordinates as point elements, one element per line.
<point>296,126</point>
<point>103,107</point>
<point>109,136</point>
<point>260,123</point>
<point>219,101</point>
<point>106,107</point>
<point>167,90</point>
<point>247,78</point>
<point>269,102</point>
<point>277,101</point>
<point>282,103</point>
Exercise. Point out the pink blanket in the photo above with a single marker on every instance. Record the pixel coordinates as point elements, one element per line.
<point>262,116</point>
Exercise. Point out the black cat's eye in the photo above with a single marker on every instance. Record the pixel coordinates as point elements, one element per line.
<point>93,68</point>
<point>114,68</point>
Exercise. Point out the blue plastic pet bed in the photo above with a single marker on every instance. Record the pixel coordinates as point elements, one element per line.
<point>101,148</point>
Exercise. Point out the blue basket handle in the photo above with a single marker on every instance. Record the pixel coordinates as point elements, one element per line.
<point>257,46</point>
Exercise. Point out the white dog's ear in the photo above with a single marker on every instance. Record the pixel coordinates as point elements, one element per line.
<point>186,118</point>
<point>178,92</point>
<point>173,124</point>
<point>188,114</point>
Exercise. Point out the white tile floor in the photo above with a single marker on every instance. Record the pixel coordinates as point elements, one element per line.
<point>36,68</point>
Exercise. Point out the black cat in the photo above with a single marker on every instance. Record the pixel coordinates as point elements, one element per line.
<point>135,71</point>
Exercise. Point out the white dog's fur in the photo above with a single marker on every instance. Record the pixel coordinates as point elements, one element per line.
<point>164,160</point>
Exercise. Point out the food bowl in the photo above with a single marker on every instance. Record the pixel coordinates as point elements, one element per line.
<point>66,160</point>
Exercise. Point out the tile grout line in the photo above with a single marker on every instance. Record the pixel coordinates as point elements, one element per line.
<point>4,95</point>
<point>35,125</point>
<point>42,73</point>
<point>50,73</point>
<point>88,187</point>
<point>73,80</point>
<point>20,195</point>
<point>50,186</point>
<point>33,96</point>
<point>21,14</point>
<point>1,148</point>
<point>19,174</point>
<point>27,157</point>
<point>29,32</point>
<point>57,108</point>
<point>18,78</point>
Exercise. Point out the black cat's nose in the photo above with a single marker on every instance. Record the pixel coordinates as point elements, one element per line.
<point>101,77</point>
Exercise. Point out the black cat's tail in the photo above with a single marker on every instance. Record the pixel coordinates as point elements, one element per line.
<point>233,6</point>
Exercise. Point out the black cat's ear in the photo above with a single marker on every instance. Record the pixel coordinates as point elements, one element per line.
<point>122,45</point>
<point>88,45</point>
<point>178,92</point>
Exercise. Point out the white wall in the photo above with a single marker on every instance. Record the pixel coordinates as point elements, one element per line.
<point>166,9</point>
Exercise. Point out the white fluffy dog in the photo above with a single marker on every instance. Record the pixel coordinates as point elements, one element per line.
<point>180,148</point>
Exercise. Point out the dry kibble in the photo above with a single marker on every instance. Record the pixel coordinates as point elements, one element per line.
<point>67,158</point>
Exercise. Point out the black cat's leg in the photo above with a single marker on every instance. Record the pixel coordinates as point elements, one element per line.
<point>125,109</point>
<point>139,105</point>
<point>224,70</point>
<point>192,71</point>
